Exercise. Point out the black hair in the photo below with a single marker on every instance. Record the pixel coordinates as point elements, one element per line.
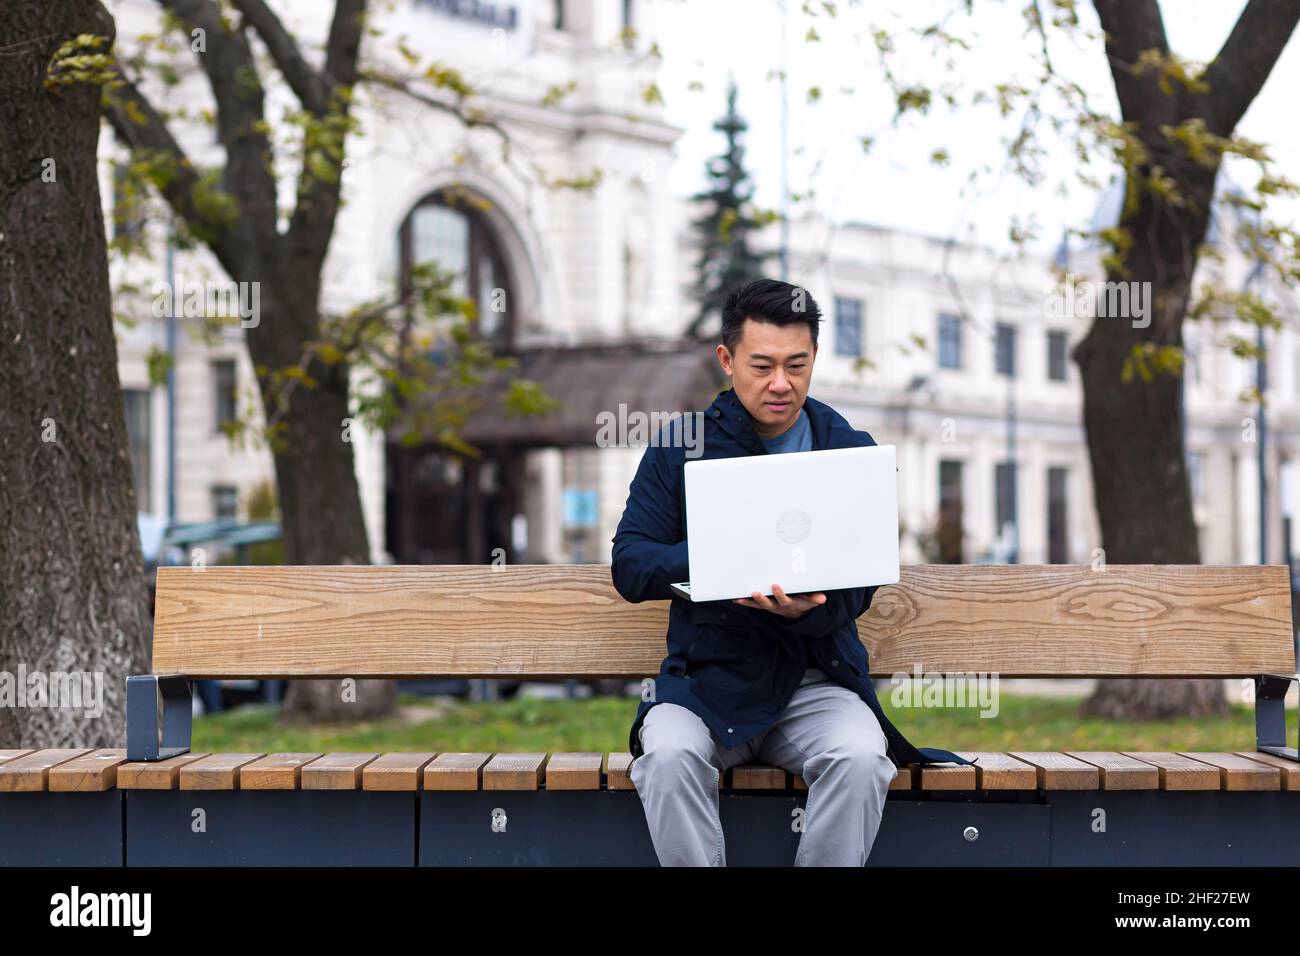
<point>768,300</point>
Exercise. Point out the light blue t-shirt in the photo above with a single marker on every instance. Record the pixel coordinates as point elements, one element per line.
<point>798,437</point>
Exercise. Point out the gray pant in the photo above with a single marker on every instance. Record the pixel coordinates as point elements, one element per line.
<point>827,734</point>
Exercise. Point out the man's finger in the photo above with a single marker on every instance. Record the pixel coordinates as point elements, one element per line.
<point>781,595</point>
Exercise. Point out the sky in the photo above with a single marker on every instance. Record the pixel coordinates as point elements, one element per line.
<point>896,184</point>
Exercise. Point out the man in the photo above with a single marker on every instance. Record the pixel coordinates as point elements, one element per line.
<point>781,680</point>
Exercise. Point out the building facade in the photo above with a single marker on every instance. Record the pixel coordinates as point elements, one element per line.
<point>947,350</point>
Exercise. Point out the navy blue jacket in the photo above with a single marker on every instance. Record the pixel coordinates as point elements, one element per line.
<point>737,667</point>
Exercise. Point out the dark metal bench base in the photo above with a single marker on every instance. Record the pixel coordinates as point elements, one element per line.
<point>607,828</point>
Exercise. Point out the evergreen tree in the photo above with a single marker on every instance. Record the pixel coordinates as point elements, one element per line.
<point>726,259</point>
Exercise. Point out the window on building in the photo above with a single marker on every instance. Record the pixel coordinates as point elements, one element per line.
<point>627,16</point>
<point>559,14</point>
<point>225,502</point>
<point>1057,490</point>
<point>1196,474</point>
<point>949,340</point>
<point>949,531</point>
<point>848,327</point>
<point>139,434</point>
<point>1006,349</point>
<point>224,383</point>
<point>1005,505</point>
<point>1056,348</point>
<point>128,212</point>
<point>451,231</point>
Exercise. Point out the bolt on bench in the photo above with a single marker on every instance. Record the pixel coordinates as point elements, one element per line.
<point>561,622</point>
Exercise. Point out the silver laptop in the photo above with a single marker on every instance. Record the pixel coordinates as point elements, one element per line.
<point>807,521</point>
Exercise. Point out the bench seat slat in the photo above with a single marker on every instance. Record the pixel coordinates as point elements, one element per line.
<point>1178,772</point>
<point>758,777</point>
<point>1058,771</point>
<point>1120,771</point>
<point>31,773</point>
<point>216,771</point>
<point>6,755</point>
<point>618,768</point>
<point>155,775</point>
<point>95,771</point>
<point>514,771</point>
<point>1240,773</point>
<point>455,771</point>
<point>574,771</point>
<point>1289,769</point>
<point>395,771</point>
<point>278,771</point>
<point>336,771</point>
<point>995,771</point>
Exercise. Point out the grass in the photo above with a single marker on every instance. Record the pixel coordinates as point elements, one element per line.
<point>602,724</point>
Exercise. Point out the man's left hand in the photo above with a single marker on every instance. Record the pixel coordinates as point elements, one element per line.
<point>786,605</point>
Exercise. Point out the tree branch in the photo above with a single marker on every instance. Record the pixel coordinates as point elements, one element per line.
<point>307,84</point>
<point>237,90</point>
<point>1237,74</point>
<point>1132,27</point>
<point>139,126</point>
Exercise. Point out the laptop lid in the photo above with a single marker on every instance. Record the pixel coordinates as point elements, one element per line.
<point>808,521</point>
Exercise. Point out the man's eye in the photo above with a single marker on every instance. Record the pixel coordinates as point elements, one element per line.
<point>796,368</point>
<point>760,368</point>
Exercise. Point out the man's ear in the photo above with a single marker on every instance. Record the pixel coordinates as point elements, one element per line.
<point>724,359</point>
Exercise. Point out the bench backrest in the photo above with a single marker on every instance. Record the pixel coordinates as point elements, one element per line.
<point>564,621</point>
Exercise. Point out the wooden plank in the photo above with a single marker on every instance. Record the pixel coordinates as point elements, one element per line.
<point>458,771</point>
<point>574,771</point>
<point>559,621</point>
<point>1058,771</point>
<point>758,777</point>
<point>1240,773</point>
<point>395,771</point>
<point>948,776</point>
<point>618,767</point>
<point>95,771</point>
<point>11,754</point>
<point>336,771</point>
<point>1178,772</point>
<point>31,773</point>
<point>995,771</point>
<point>278,771</point>
<point>1289,770</point>
<point>1120,771</point>
<point>514,771</point>
<point>215,771</point>
<point>156,774</point>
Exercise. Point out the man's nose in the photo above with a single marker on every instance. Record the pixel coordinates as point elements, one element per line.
<point>779,382</point>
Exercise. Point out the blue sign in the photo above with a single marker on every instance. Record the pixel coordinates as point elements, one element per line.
<point>581,508</point>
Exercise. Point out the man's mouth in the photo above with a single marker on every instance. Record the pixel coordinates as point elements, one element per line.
<point>777,406</point>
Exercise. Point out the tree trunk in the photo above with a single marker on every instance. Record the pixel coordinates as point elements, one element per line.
<point>321,517</point>
<point>73,595</point>
<point>1135,432</point>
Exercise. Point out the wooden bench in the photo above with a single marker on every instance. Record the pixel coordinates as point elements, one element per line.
<point>555,623</point>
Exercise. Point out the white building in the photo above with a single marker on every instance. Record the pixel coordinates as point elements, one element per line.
<point>596,282</point>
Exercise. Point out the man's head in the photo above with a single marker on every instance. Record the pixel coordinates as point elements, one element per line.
<point>769,341</point>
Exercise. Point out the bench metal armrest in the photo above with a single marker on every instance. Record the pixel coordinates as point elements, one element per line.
<point>1270,714</point>
<point>159,713</point>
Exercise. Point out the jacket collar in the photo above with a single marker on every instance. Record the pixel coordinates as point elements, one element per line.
<point>729,414</point>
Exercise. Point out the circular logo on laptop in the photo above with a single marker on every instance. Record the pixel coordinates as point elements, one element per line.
<point>793,526</point>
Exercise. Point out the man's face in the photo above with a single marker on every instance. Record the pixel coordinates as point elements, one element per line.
<point>770,371</point>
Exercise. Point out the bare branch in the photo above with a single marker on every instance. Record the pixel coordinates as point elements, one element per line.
<point>307,84</point>
<point>1237,74</point>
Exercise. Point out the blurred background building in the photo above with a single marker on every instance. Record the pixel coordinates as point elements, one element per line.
<point>945,349</point>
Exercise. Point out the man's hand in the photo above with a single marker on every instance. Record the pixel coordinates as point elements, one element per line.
<point>786,605</point>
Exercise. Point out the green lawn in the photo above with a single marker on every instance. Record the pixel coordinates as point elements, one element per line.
<point>602,723</point>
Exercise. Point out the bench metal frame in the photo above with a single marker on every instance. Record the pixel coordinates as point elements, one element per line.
<point>1270,715</point>
<point>159,717</point>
